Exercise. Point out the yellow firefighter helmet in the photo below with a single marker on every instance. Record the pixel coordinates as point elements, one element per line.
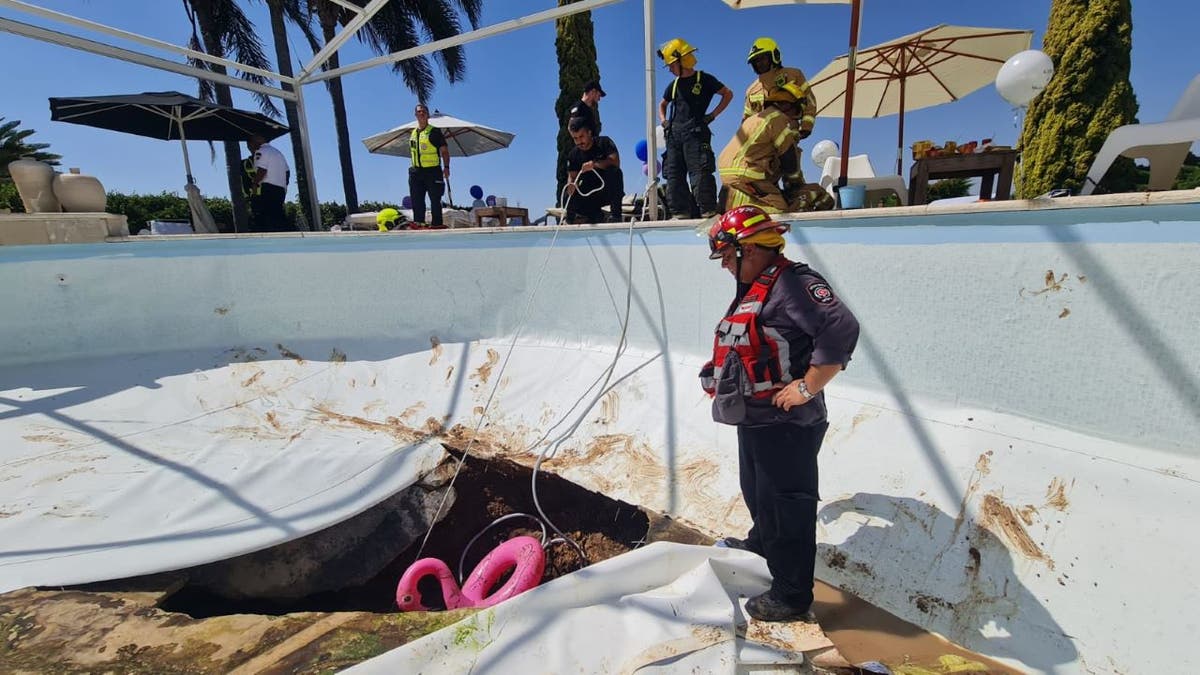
<point>678,49</point>
<point>765,45</point>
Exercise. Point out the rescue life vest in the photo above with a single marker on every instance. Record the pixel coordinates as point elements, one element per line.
<point>424,154</point>
<point>763,351</point>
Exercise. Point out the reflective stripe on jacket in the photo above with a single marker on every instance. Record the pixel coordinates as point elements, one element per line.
<point>788,89</point>
<point>753,152</point>
<point>764,354</point>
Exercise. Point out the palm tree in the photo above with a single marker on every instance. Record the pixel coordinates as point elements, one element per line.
<point>291,10</point>
<point>220,28</point>
<point>14,146</point>
<point>399,25</point>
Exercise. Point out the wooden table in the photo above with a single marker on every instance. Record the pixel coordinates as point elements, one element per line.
<point>501,212</point>
<point>991,167</point>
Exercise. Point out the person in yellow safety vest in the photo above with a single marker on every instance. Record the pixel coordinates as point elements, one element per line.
<point>779,111</point>
<point>430,168</point>
<point>689,139</point>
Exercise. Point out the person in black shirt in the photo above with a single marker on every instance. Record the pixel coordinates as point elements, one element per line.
<point>430,168</point>
<point>587,108</point>
<point>588,192</point>
<point>683,113</point>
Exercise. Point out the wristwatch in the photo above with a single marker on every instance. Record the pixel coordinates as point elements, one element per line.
<point>803,389</point>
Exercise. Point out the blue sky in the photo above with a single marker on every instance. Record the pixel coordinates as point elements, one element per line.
<point>511,84</point>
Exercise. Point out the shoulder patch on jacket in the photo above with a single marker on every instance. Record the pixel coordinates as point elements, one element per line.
<point>820,292</point>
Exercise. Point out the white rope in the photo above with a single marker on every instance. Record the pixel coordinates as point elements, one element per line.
<point>606,375</point>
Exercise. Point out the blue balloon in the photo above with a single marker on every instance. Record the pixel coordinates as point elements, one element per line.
<point>640,149</point>
<point>491,200</point>
<point>476,192</point>
<point>406,202</point>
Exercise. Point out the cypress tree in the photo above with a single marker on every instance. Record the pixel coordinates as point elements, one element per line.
<point>1089,96</point>
<point>576,49</point>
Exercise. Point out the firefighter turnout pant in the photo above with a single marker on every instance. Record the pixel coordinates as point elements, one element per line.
<point>690,160</point>
<point>761,154</point>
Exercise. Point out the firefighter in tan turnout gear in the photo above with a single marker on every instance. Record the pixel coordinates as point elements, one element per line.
<point>780,110</point>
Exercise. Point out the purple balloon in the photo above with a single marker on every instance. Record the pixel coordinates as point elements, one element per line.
<point>406,202</point>
<point>491,200</point>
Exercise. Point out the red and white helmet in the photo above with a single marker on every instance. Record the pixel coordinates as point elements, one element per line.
<point>735,225</point>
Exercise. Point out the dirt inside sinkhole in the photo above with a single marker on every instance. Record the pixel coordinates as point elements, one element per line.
<point>485,490</point>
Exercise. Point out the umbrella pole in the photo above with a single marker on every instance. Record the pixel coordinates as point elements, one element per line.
<point>900,137</point>
<point>855,16</point>
<point>187,162</point>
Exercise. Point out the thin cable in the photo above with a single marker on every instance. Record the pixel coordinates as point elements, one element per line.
<point>492,393</point>
<point>494,523</point>
<point>606,376</point>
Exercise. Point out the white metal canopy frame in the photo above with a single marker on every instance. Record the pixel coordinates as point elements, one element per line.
<point>312,71</point>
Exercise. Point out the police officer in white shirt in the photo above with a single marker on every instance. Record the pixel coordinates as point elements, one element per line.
<point>272,176</point>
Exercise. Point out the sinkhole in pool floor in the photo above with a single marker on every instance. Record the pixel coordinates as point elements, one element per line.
<point>485,489</point>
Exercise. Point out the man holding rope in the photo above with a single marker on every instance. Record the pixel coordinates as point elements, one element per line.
<point>593,176</point>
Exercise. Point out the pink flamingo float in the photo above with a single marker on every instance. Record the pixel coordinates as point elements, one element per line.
<point>523,555</point>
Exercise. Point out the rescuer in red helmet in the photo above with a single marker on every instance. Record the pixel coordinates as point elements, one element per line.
<point>783,338</point>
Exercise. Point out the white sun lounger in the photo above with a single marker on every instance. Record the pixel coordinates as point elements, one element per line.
<point>1165,144</point>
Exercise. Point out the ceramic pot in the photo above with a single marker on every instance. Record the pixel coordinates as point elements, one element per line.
<point>79,193</point>
<point>35,184</point>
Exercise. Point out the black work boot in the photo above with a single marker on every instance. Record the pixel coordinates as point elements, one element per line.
<point>739,544</point>
<point>766,607</point>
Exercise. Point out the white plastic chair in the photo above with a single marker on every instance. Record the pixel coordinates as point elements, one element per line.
<point>860,172</point>
<point>1165,144</point>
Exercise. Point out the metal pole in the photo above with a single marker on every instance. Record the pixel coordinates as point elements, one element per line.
<point>900,139</point>
<point>91,46</point>
<point>338,40</point>
<point>309,75</point>
<point>651,122</point>
<point>187,162</point>
<point>855,16</point>
<point>306,147</point>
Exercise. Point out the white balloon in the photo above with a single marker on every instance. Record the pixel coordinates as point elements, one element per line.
<point>1023,76</point>
<point>660,137</point>
<point>822,151</point>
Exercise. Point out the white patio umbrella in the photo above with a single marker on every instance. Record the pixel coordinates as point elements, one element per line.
<point>927,68</point>
<point>462,137</point>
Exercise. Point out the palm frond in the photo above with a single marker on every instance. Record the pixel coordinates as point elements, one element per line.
<point>299,12</point>
<point>240,41</point>
<point>440,21</point>
<point>205,92</point>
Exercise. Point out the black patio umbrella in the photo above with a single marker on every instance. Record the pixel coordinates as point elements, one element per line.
<point>166,115</point>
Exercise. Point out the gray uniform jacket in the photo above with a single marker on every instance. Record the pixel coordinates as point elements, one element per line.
<point>805,311</point>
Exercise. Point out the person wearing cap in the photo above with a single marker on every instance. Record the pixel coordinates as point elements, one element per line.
<point>430,168</point>
<point>269,186</point>
<point>783,338</point>
<point>779,111</point>
<point>586,112</point>
<point>587,108</point>
<point>684,116</point>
